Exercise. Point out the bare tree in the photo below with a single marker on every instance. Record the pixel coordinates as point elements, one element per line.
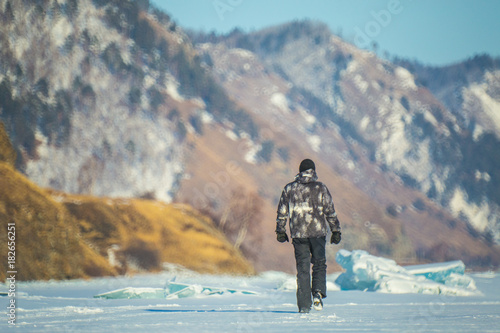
<point>241,221</point>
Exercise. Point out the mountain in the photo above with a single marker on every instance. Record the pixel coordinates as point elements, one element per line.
<point>427,142</point>
<point>67,102</point>
<point>369,119</point>
<point>471,91</point>
<point>113,99</point>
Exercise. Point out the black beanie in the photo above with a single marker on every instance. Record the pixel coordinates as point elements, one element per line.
<point>306,165</point>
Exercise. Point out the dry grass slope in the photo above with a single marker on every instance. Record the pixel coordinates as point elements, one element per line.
<point>7,152</point>
<point>146,233</point>
<point>48,242</point>
<point>62,236</point>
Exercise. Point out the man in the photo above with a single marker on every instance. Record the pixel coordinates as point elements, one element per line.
<point>309,206</point>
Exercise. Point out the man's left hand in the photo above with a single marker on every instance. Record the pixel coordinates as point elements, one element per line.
<point>335,237</point>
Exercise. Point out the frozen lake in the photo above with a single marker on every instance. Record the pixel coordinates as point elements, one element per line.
<point>69,306</point>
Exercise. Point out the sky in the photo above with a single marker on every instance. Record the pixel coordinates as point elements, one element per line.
<point>434,32</point>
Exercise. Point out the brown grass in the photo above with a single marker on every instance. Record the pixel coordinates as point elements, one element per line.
<point>48,243</point>
<point>7,152</point>
<point>149,232</point>
<point>70,237</point>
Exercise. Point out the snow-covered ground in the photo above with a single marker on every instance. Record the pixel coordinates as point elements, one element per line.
<point>264,303</point>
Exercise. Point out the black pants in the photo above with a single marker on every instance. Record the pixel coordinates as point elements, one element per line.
<point>307,251</point>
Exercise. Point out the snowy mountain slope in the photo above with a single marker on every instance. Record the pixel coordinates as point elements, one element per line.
<point>108,106</point>
<point>92,103</point>
<point>470,90</point>
<point>481,103</point>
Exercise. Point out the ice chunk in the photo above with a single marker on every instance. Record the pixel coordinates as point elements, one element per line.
<point>172,290</point>
<point>422,285</point>
<point>371,273</point>
<point>181,290</point>
<point>463,281</point>
<point>438,271</point>
<point>363,270</point>
<point>134,293</point>
<point>451,273</point>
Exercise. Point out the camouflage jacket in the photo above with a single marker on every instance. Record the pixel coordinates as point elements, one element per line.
<point>309,206</point>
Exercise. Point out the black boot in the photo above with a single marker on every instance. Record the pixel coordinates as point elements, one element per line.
<point>317,301</point>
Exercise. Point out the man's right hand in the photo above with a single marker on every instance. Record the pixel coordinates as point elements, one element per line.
<point>282,237</point>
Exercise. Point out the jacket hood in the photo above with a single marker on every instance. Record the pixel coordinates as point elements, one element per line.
<point>307,176</point>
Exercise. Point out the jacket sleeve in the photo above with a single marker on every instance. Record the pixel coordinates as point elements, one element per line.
<point>329,211</point>
<point>282,213</point>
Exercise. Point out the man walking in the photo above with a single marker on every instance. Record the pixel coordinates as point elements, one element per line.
<point>308,205</point>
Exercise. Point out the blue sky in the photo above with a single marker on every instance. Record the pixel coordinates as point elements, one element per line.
<point>435,32</point>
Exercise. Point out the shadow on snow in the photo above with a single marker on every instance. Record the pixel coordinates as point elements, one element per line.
<point>215,310</point>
